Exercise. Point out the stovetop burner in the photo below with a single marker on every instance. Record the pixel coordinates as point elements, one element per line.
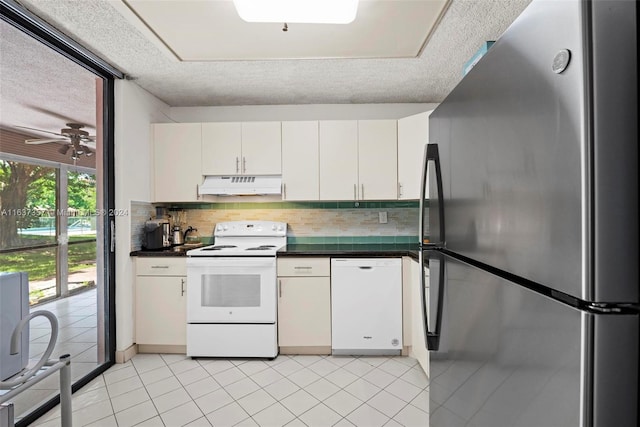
<point>219,247</point>
<point>251,239</point>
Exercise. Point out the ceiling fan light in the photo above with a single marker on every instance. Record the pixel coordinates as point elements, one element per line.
<point>64,149</point>
<point>298,11</point>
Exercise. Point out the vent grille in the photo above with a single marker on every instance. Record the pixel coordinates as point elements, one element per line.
<point>242,179</point>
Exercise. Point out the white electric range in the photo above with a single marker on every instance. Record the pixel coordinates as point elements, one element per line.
<point>232,291</point>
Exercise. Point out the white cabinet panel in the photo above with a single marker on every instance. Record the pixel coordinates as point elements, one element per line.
<point>296,267</point>
<point>413,135</point>
<point>304,305</point>
<point>377,160</point>
<point>161,310</point>
<point>304,312</point>
<point>418,345</point>
<point>176,148</point>
<point>338,159</point>
<point>221,148</point>
<point>235,148</point>
<point>300,161</point>
<point>261,148</point>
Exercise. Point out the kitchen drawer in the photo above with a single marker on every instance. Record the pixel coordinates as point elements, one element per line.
<point>304,266</point>
<point>161,266</point>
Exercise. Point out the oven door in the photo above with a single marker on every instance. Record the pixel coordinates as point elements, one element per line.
<point>231,290</point>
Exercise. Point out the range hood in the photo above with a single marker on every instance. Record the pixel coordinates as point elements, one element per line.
<point>241,185</point>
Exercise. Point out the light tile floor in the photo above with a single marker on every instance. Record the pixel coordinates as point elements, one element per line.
<point>173,390</point>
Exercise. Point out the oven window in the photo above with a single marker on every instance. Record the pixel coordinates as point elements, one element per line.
<point>231,290</point>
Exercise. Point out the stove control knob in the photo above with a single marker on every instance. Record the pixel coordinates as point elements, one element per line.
<point>280,228</point>
<point>273,228</point>
<point>225,228</point>
<point>219,228</point>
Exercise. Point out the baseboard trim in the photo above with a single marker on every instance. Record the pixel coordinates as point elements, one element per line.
<point>167,349</point>
<point>319,350</point>
<point>127,354</point>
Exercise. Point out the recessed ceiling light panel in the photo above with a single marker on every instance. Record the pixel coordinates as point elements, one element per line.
<point>298,11</point>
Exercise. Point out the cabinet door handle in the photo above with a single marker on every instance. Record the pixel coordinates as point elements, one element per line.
<point>197,192</point>
<point>159,266</point>
<point>355,189</point>
<point>280,288</point>
<point>284,190</point>
<point>181,287</point>
<point>244,164</point>
<point>362,194</point>
<point>399,189</point>
<point>237,164</point>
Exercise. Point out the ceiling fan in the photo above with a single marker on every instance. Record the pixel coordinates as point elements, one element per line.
<point>76,140</point>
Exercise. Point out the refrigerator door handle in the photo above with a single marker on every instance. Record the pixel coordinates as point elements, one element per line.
<point>432,338</point>
<point>431,154</point>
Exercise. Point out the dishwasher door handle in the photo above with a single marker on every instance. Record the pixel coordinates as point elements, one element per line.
<point>365,267</point>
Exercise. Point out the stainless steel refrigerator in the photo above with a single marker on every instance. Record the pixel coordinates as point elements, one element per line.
<point>529,226</point>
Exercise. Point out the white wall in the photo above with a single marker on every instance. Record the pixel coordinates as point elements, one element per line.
<point>135,109</point>
<point>297,112</point>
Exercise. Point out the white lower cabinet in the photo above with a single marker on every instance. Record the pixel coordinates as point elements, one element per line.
<point>161,304</point>
<point>418,345</point>
<point>304,306</point>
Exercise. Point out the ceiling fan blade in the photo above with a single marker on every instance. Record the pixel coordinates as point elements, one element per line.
<point>90,144</point>
<point>43,141</point>
<point>38,130</point>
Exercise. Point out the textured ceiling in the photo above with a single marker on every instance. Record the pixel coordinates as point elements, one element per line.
<point>40,88</point>
<point>97,25</point>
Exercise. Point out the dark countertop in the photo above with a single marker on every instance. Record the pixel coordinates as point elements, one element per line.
<point>360,250</point>
<point>352,250</point>
<point>171,252</point>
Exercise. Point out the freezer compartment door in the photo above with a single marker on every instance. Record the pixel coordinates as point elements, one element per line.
<point>527,188</point>
<point>507,357</point>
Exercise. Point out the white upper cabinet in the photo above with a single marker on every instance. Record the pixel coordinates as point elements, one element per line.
<point>338,159</point>
<point>300,161</point>
<point>358,160</point>
<point>261,148</point>
<point>176,147</point>
<point>221,148</point>
<point>413,135</point>
<point>377,160</point>
<point>252,148</point>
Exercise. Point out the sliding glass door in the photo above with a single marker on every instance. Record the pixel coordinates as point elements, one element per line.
<point>56,192</point>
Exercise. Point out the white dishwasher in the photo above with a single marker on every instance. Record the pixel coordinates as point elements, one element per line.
<point>366,306</point>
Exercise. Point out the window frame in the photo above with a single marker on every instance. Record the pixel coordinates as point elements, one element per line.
<point>17,16</point>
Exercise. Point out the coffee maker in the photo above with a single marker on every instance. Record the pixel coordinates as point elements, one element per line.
<point>157,234</point>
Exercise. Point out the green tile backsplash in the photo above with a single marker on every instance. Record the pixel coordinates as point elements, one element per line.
<point>316,222</point>
<point>299,205</point>
<point>327,240</point>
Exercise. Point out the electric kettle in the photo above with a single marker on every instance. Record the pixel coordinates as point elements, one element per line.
<point>178,238</point>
